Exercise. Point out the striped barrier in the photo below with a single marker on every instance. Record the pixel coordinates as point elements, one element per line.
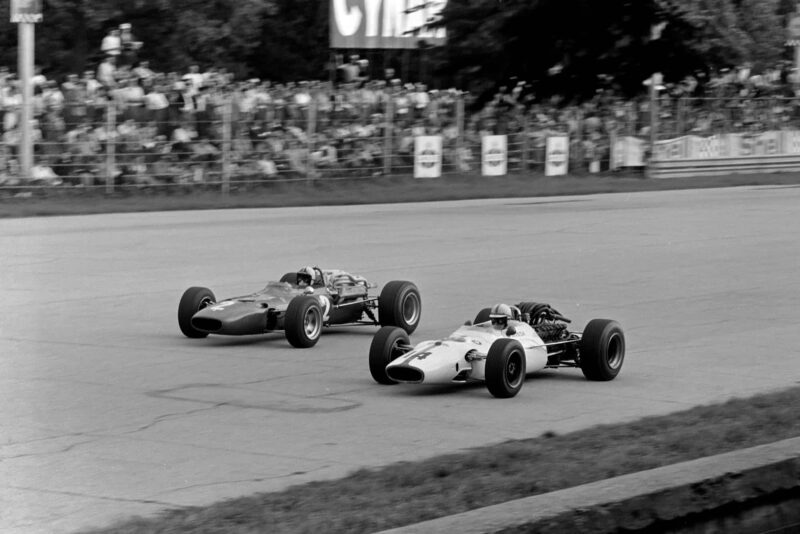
<point>688,168</point>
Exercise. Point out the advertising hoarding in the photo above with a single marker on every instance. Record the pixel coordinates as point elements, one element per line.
<point>428,156</point>
<point>26,11</point>
<point>384,24</point>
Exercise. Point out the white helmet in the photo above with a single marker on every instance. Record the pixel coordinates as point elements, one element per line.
<point>501,311</point>
<point>306,274</point>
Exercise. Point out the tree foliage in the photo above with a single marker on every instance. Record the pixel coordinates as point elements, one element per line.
<point>571,46</point>
<point>574,46</point>
<point>282,39</point>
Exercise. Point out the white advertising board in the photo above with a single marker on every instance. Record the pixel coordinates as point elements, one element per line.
<point>427,156</point>
<point>494,155</point>
<point>557,156</point>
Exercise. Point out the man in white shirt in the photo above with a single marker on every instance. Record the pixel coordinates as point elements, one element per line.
<point>112,43</point>
<point>106,72</point>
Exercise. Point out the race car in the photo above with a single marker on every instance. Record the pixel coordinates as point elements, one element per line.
<point>301,304</point>
<point>500,347</point>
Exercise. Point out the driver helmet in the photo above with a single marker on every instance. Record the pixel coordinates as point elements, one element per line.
<point>500,314</point>
<point>306,275</point>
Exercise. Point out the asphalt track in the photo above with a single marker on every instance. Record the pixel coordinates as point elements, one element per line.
<point>108,411</point>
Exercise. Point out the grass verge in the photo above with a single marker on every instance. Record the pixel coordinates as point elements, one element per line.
<point>77,201</point>
<point>409,492</point>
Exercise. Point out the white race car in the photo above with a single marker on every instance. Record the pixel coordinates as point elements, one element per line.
<point>500,347</point>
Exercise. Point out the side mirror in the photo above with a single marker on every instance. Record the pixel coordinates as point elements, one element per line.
<point>468,323</point>
<point>308,290</point>
<point>510,331</point>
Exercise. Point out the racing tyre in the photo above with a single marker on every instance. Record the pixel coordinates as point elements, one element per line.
<point>387,345</point>
<point>303,322</point>
<point>482,316</point>
<point>505,368</point>
<point>602,349</point>
<point>193,300</point>
<point>400,305</point>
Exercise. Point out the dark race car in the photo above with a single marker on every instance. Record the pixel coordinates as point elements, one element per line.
<point>301,304</point>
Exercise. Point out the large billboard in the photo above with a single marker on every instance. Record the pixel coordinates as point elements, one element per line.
<point>385,23</point>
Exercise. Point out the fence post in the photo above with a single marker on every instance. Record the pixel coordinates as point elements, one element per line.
<point>653,115</point>
<point>579,157</point>
<point>111,145</point>
<point>311,128</point>
<point>459,132</point>
<point>227,114</point>
<point>388,122</point>
<point>526,142</point>
<point>612,143</point>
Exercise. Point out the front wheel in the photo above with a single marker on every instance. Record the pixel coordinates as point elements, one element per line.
<point>400,305</point>
<point>388,344</point>
<point>505,368</point>
<point>602,349</point>
<point>303,322</point>
<point>193,300</point>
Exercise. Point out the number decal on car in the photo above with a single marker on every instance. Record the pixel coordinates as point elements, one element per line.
<point>410,357</point>
<point>325,302</point>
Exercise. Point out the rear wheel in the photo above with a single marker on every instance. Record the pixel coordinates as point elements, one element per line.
<point>602,349</point>
<point>400,305</point>
<point>389,343</point>
<point>303,322</point>
<point>193,300</point>
<point>483,316</point>
<point>505,368</point>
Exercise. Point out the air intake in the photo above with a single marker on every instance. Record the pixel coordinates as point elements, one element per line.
<point>405,374</point>
<point>206,325</point>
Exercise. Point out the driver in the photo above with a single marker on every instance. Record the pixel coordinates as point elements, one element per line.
<point>308,276</point>
<point>499,314</point>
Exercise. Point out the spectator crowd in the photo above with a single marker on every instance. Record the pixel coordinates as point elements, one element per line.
<point>179,127</point>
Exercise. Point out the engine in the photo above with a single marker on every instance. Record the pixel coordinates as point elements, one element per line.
<point>551,332</point>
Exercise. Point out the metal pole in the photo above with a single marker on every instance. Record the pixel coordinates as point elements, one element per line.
<point>227,116</point>
<point>797,66</point>
<point>26,50</point>
<point>388,132</point>
<point>111,146</point>
<point>311,128</point>
<point>653,116</point>
<point>460,131</point>
<point>526,146</point>
<point>793,40</point>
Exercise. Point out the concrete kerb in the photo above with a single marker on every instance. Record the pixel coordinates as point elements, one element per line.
<point>637,500</point>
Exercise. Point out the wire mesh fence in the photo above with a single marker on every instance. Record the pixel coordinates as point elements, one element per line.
<point>232,142</point>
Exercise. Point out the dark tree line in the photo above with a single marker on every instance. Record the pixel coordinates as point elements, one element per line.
<point>556,45</point>
<point>574,46</point>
